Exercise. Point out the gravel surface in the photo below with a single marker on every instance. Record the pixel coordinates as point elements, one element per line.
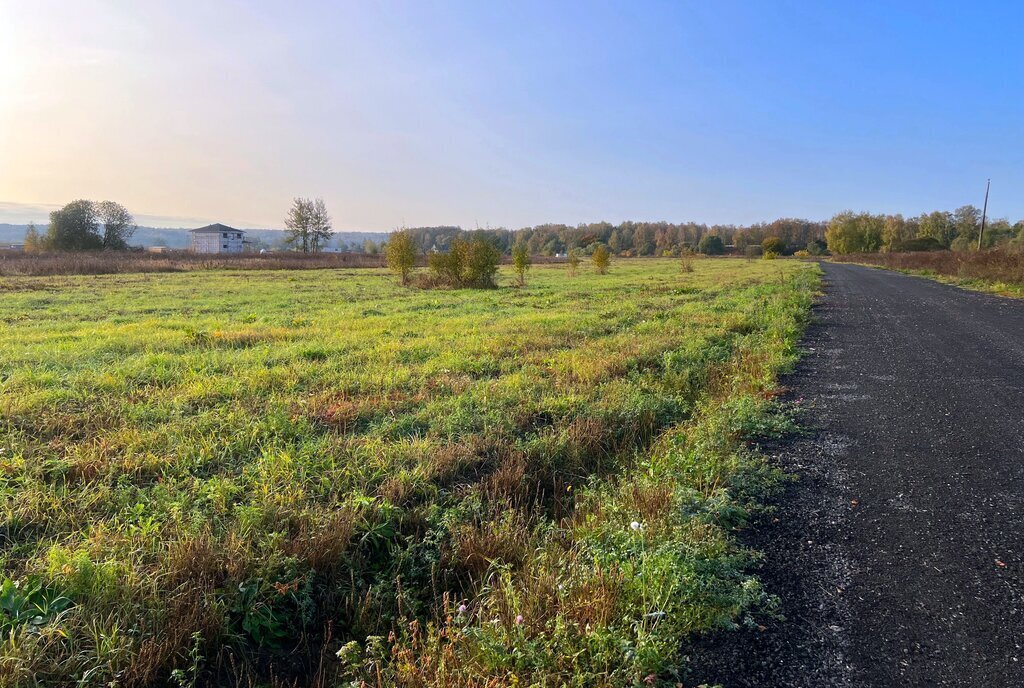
<point>898,553</point>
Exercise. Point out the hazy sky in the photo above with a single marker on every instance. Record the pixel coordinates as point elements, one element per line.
<point>509,114</point>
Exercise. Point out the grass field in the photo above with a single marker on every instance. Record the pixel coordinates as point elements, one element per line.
<point>320,477</point>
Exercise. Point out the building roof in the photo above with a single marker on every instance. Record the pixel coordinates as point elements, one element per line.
<point>215,228</point>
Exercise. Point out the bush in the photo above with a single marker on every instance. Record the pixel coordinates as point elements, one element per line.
<point>773,245</point>
<point>471,263</point>
<point>770,255</point>
<point>520,261</point>
<point>602,259</point>
<point>919,244</point>
<point>400,253</point>
<point>817,247</point>
<point>686,261</point>
<point>711,245</point>
<point>573,262</point>
<point>802,254</point>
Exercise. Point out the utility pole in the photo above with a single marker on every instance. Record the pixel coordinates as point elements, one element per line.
<point>984,211</point>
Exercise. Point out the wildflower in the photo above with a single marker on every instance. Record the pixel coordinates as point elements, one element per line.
<point>462,609</point>
<point>519,620</point>
<point>636,525</point>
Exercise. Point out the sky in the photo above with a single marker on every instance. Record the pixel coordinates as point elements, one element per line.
<point>509,114</point>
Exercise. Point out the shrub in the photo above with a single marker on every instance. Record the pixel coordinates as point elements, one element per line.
<point>711,245</point>
<point>817,247</point>
<point>919,244</point>
<point>573,262</point>
<point>773,245</point>
<point>520,261</point>
<point>400,253</point>
<point>770,255</point>
<point>686,261</point>
<point>602,259</point>
<point>802,254</point>
<point>471,263</point>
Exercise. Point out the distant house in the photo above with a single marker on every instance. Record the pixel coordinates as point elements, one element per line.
<point>217,238</point>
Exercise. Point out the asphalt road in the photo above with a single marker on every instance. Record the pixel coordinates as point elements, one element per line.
<point>898,554</point>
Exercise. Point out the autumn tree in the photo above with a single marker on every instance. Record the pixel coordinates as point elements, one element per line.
<point>602,258</point>
<point>400,253</point>
<point>33,241</point>
<point>520,261</point>
<point>773,244</point>
<point>573,262</point>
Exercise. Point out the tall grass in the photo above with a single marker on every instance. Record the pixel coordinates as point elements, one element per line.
<point>318,477</point>
<point>996,269</point>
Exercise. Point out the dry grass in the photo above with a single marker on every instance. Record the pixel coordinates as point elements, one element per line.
<point>107,262</point>
<point>994,267</point>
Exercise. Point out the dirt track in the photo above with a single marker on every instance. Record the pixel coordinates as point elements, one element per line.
<point>899,552</point>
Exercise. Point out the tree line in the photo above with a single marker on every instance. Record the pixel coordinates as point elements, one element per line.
<point>959,230</point>
<point>626,238</point>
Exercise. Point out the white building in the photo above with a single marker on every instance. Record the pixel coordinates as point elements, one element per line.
<point>217,238</point>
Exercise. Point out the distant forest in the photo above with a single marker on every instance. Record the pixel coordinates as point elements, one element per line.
<point>846,232</point>
<point>629,238</point>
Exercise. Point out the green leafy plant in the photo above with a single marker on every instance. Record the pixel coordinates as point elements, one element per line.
<point>29,602</point>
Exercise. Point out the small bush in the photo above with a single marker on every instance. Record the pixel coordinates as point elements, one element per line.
<point>602,258</point>
<point>520,261</point>
<point>400,253</point>
<point>573,262</point>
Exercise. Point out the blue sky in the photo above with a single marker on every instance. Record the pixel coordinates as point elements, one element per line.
<point>510,114</point>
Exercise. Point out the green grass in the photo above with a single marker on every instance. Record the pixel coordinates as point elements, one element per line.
<point>227,476</point>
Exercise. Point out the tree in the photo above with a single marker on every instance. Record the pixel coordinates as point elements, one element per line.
<point>370,247</point>
<point>118,225</point>
<point>773,244</point>
<point>937,225</point>
<point>400,252</point>
<point>308,225</point>
<point>74,228</point>
<point>573,262</point>
<point>481,266</point>
<point>816,247</point>
<point>850,232</point>
<point>602,258</point>
<point>895,232</point>
<point>520,261</point>
<point>711,245</point>
<point>967,223</point>
<point>33,242</point>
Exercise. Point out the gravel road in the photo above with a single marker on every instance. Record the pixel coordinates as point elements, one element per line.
<point>898,554</point>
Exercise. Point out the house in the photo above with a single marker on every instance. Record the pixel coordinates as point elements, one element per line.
<point>217,238</point>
